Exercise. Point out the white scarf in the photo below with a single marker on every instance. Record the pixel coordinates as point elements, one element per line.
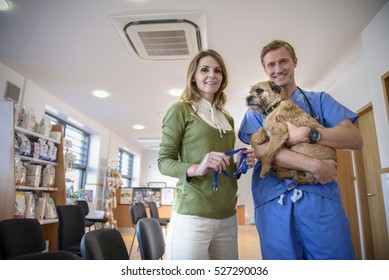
<point>212,116</point>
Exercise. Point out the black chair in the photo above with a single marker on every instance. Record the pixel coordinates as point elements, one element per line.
<point>21,237</point>
<point>24,239</point>
<point>150,239</point>
<point>104,244</point>
<point>154,213</point>
<point>71,228</point>
<point>85,208</point>
<point>142,209</point>
<point>136,216</point>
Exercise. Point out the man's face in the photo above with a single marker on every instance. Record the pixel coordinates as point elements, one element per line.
<point>279,66</point>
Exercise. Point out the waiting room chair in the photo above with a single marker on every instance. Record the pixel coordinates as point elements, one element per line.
<point>136,216</point>
<point>150,239</point>
<point>104,244</point>
<point>24,239</point>
<point>142,209</point>
<point>20,237</point>
<point>71,228</point>
<point>85,208</point>
<point>154,213</point>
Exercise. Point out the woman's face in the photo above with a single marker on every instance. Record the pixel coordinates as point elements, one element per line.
<point>208,77</point>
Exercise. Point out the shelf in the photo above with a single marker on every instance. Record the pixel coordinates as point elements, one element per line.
<point>48,221</point>
<point>35,160</point>
<point>28,188</point>
<point>32,133</point>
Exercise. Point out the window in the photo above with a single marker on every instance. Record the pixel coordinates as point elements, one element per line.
<point>76,173</point>
<point>125,163</point>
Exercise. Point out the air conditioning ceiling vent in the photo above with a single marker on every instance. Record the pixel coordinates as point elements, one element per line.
<point>162,34</point>
<point>164,39</point>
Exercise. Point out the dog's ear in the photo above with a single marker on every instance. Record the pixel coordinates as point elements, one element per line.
<point>276,88</point>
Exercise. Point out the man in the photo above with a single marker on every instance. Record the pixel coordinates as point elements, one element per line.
<point>301,221</point>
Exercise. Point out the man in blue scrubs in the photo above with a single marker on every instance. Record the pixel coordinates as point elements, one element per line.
<point>297,221</point>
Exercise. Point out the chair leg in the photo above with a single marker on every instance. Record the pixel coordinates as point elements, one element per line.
<point>132,244</point>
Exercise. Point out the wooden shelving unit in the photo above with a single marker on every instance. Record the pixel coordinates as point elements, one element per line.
<point>8,187</point>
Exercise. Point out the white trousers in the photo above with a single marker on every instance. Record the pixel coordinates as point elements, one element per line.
<point>191,237</point>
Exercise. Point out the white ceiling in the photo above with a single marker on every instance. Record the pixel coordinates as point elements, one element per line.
<point>69,48</point>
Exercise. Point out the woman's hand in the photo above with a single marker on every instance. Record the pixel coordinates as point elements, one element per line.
<point>213,161</point>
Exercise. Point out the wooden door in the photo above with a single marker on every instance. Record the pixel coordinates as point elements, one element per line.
<point>346,179</point>
<point>370,189</point>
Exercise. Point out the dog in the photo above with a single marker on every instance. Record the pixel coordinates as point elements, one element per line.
<point>269,99</point>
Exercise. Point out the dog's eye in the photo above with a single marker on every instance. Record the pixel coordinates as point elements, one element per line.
<point>259,90</point>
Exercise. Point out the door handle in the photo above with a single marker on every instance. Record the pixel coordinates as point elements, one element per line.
<point>369,194</point>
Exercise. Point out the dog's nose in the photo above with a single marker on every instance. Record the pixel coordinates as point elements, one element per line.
<point>249,99</point>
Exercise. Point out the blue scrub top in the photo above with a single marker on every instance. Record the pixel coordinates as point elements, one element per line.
<point>330,113</point>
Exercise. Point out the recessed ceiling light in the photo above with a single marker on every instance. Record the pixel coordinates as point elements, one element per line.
<point>150,140</point>
<point>100,93</point>
<point>138,126</point>
<point>4,5</point>
<point>175,91</point>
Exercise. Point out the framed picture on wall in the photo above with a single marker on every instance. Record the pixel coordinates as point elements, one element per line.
<point>145,195</point>
<point>167,196</point>
<point>157,185</point>
<point>126,195</point>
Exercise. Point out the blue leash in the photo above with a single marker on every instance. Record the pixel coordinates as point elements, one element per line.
<point>242,167</point>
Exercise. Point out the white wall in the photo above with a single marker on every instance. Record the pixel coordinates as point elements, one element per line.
<point>375,40</point>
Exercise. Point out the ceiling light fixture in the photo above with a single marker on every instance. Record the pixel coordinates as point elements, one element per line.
<point>4,5</point>
<point>138,126</point>
<point>175,91</point>
<point>149,140</point>
<point>100,93</point>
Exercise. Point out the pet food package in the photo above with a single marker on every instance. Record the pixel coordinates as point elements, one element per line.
<point>40,209</point>
<point>27,118</point>
<point>20,205</point>
<point>30,205</point>
<point>44,127</point>
<point>20,172</point>
<point>33,175</point>
<point>48,176</point>
<point>24,145</point>
<point>51,152</point>
<point>50,210</point>
<point>43,149</point>
<point>55,135</point>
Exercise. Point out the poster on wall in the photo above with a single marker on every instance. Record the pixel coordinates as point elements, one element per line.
<point>167,196</point>
<point>147,194</point>
<point>125,196</point>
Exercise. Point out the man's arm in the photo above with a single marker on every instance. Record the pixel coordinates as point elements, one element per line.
<point>343,136</point>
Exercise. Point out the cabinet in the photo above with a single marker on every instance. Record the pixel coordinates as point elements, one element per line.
<point>8,187</point>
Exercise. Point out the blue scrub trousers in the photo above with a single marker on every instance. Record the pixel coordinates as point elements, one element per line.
<point>311,227</point>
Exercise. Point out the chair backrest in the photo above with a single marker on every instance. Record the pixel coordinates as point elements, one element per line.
<point>150,239</point>
<point>103,244</point>
<point>136,214</point>
<point>21,236</point>
<point>142,209</point>
<point>84,205</point>
<point>153,209</point>
<point>71,228</point>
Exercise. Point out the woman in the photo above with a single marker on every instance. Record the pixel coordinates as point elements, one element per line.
<point>196,133</point>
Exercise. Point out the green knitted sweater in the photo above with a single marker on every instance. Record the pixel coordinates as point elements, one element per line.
<point>186,139</point>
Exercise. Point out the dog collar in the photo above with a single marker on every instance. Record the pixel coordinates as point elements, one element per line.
<point>242,167</point>
<point>270,109</point>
